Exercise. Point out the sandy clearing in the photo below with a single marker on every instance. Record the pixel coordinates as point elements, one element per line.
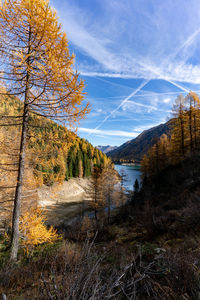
<point>73,190</point>
<point>64,202</point>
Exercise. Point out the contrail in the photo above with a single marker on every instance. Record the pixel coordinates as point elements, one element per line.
<point>147,106</point>
<point>132,95</point>
<point>148,93</point>
<point>114,83</point>
<point>181,87</point>
<point>121,104</point>
<point>143,105</point>
<point>188,41</point>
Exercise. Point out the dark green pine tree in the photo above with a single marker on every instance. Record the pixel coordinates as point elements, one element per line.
<point>136,186</point>
<point>76,167</point>
<point>67,173</point>
<point>77,163</point>
<point>86,165</point>
<point>89,153</point>
<point>70,164</point>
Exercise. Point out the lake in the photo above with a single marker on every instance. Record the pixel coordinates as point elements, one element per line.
<point>131,174</point>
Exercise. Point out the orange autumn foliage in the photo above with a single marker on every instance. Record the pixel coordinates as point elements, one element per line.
<point>33,230</point>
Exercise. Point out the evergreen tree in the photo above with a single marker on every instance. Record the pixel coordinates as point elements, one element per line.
<point>86,165</point>
<point>136,186</point>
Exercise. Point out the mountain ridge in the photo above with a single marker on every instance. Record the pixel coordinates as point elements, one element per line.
<point>136,148</point>
<point>106,149</point>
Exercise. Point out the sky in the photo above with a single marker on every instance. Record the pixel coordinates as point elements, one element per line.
<point>136,57</point>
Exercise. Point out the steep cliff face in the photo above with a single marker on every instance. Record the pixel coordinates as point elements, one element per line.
<point>136,148</point>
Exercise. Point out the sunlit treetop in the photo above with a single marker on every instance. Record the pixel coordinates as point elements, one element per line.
<point>35,61</point>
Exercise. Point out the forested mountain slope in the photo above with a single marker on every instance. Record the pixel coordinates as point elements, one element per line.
<point>136,148</point>
<point>54,153</point>
<point>184,140</point>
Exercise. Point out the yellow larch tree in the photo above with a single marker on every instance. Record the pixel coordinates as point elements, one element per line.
<point>179,128</point>
<point>33,230</point>
<point>109,180</point>
<point>38,68</point>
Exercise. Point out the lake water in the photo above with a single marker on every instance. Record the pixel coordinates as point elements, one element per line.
<point>131,174</point>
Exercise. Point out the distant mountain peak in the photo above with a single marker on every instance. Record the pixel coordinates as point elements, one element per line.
<point>106,149</point>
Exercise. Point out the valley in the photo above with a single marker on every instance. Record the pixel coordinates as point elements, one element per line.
<point>99,150</point>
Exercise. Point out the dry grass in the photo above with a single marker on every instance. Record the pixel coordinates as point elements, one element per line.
<point>88,271</point>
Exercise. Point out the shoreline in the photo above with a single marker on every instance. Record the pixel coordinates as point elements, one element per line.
<point>63,202</point>
<point>129,164</point>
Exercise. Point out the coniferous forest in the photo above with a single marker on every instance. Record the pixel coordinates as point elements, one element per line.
<point>183,140</point>
<point>70,227</point>
<point>54,153</point>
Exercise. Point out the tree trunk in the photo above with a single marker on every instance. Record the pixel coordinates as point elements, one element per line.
<point>195,125</point>
<point>83,209</point>
<point>181,117</point>
<point>182,137</point>
<point>190,127</point>
<point>18,192</point>
<point>95,201</point>
<point>109,204</point>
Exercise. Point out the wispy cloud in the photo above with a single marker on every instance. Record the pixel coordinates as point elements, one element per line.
<point>143,108</point>
<point>146,93</point>
<point>129,134</point>
<point>167,100</point>
<point>176,72</point>
<point>156,72</point>
<point>188,42</point>
<point>125,63</point>
<point>120,133</point>
<point>143,40</point>
<point>140,129</point>
<point>129,105</point>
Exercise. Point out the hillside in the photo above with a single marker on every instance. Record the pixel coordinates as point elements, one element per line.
<point>54,153</point>
<point>136,148</point>
<point>149,249</point>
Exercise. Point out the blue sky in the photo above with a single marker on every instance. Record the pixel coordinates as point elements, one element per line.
<point>135,56</point>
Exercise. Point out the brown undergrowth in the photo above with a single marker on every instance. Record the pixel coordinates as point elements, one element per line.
<point>126,266</point>
<point>150,250</point>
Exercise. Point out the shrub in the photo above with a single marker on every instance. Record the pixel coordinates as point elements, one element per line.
<point>33,230</point>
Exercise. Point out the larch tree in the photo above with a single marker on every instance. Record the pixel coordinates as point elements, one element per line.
<point>122,195</point>
<point>95,192</point>
<point>192,109</point>
<point>184,137</point>
<point>110,179</point>
<point>196,118</point>
<point>164,146</point>
<point>145,166</point>
<point>37,68</point>
<point>179,127</point>
<point>190,124</point>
